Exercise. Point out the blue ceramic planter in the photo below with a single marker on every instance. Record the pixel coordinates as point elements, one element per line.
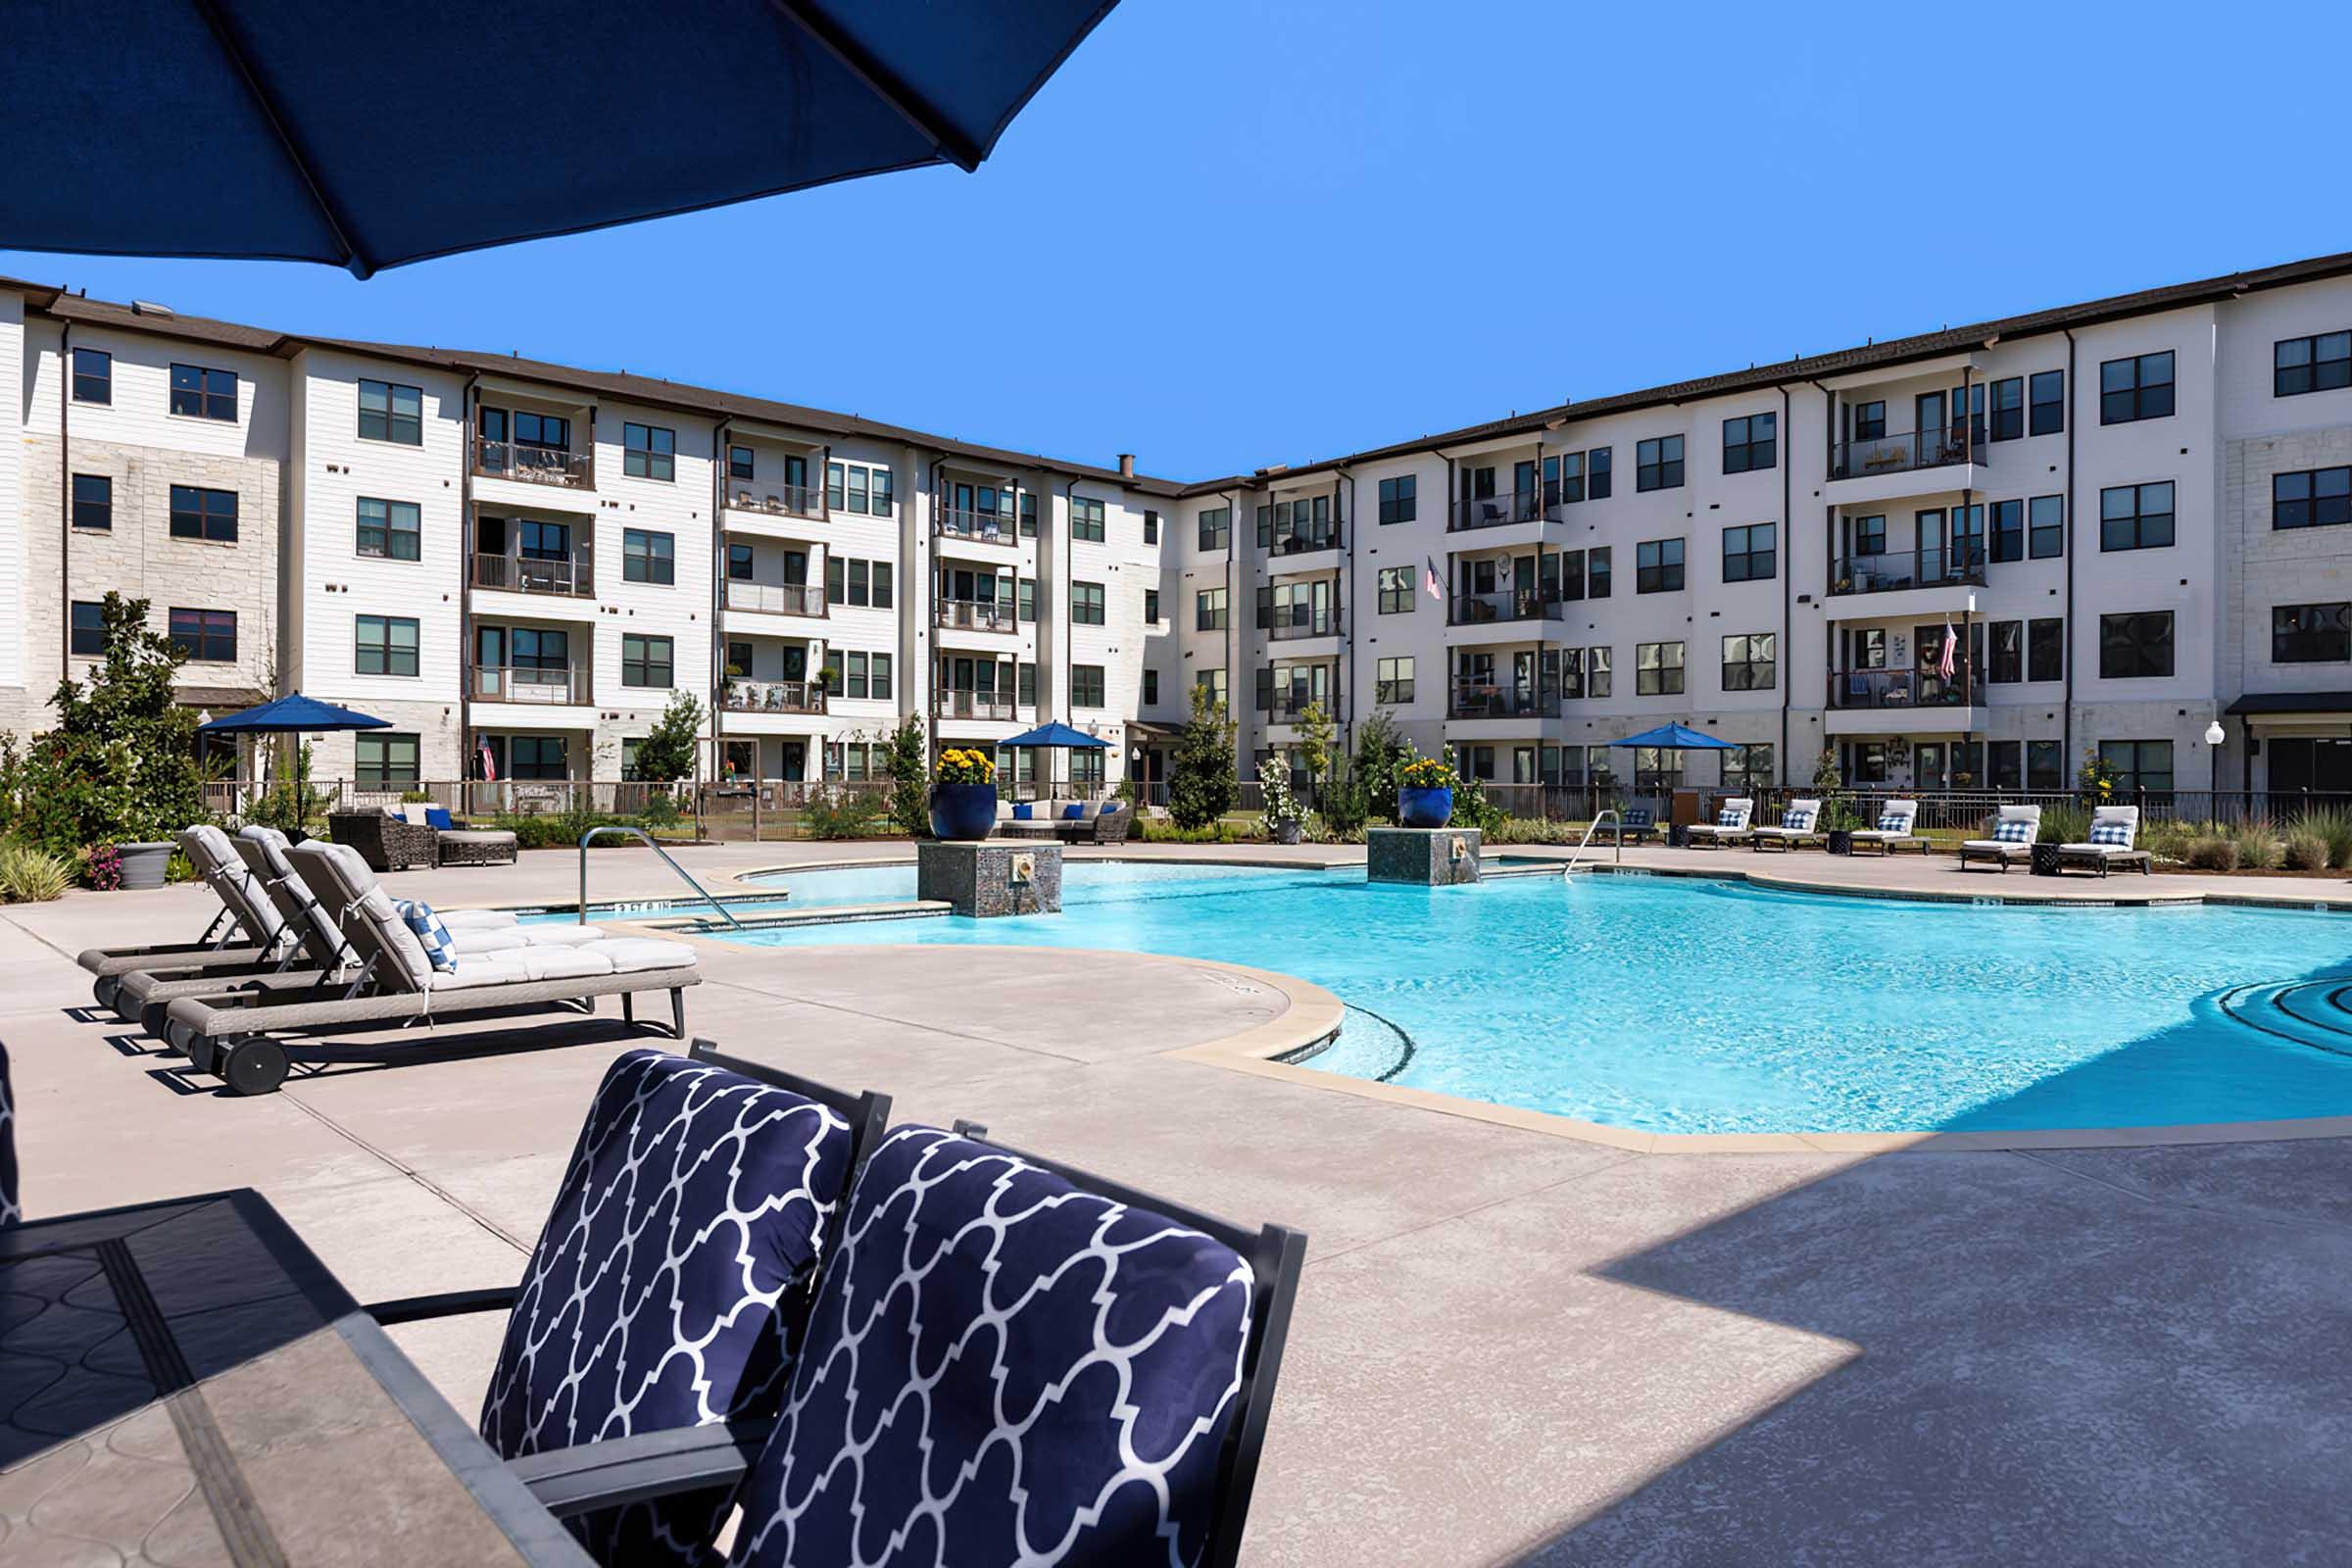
<point>1416,808</point>
<point>963,812</point>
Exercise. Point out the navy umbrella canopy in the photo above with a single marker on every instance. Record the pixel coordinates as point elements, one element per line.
<point>1677,737</point>
<point>294,715</point>
<point>1055,733</point>
<point>369,136</point>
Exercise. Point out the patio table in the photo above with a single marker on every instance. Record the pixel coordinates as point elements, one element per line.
<point>184,1381</point>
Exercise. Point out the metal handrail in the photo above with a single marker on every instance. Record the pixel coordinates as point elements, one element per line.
<point>684,875</point>
<point>1592,827</point>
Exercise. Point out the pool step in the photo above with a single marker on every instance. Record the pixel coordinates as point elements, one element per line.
<point>2316,1011</point>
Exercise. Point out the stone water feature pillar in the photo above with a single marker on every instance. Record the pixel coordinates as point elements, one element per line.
<point>1431,857</point>
<point>991,877</point>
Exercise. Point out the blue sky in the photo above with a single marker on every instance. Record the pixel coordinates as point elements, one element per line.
<point>1229,235</point>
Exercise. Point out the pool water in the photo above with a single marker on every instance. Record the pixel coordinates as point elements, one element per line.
<point>1686,1006</point>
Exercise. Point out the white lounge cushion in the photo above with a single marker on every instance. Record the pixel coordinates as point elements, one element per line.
<point>489,939</point>
<point>636,955</point>
<point>522,967</point>
<point>556,935</point>
<point>2096,849</point>
<point>1996,846</point>
<point>475,919</point>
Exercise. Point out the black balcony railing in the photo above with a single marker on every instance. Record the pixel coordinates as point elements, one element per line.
<point>1939,448</point>
<point>783,501</point>
<point>1897,689</point>
<point>1494,512</point>
<point>1287,708</point>
<point>1299,621</point>
<point>1508,604</point>
<point>1485,700</point>
<point>1304,541</point>
<point>1933,567</point>
<point>509,460</point>
<point>569,575</point>
<point>974,614</point>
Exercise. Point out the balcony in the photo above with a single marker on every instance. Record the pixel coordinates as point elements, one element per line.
<point>773,697</point>
<point>955,701</point>
<point>1486,700</point>
<point>1494,512</point>
<point>1509,604</point>
<point>778,598</point>
<point>979,527</point>
<point>1889,467</point>
<point>1898,702</point>
<point>1893,571</point>
<point>548,465</point>
<point>784,501</point>
<point>1290,621</point>
<point>974,614</point>
<point>1287,708</point>
<point>565,575</point>
<point>556,687</point>
<point>1304,542</point>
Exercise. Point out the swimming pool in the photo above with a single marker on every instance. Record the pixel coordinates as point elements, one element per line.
<point>1675,1005</point>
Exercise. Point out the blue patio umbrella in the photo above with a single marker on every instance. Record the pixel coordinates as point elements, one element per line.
<point>1677,737</point>
<point>369,136</point>
<point>292,714</point>
<point>1058,733</point>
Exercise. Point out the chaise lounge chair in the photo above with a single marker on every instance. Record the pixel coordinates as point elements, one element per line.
<point>1636,823</point>
<point>1731,824</point>
<point>2014,831</point>
<point>2113,828</point>
<point>1796,827</point>
<point>400,981</point>
<point>1893,831</point>
<point>247,935</point>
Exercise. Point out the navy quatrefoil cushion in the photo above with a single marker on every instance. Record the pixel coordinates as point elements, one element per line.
<point>668,1278</point>
<point>1003,1369</point>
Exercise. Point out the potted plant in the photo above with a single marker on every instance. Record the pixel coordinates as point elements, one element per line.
<point>964,795</point>
<point>1838,820</point>
<point>1282,808</point>
<point>1425,793</point>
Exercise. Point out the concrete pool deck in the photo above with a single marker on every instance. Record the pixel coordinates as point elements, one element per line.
<point>1510,1347</point>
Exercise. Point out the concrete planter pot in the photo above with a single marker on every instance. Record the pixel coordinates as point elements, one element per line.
<point>1287,831</point>
<point>143,865</point>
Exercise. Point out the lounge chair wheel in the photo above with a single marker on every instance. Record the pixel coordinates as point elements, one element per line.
<point>198,1049</point>
<point>102,991</point>
<point>253,1066</point>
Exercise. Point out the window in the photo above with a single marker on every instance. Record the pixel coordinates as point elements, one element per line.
<point>1396,590</point>
<point>2316,497</point>
<point>859,590</point>
<point>93,502</point>
<point>2137,388</point>
<point>535,756</point>
<point>2008,531</point>
<point>2009,409</point>
<point>2046,411</point>
<point>1657,669</point>
<point>1028,530</point>
<point>2298,365</point>
<point>2045,649</point>
<point>849,580</point>
<point>206,635</point>
<point>1210,612</point>
<point>2135,647</point>
<point>2136,516</point>
<point>879,687</point>
<point>1086,685</point>
<point>1747,443</point>
<point>1216,529</point>
<point>1086,604</point>
<point>1659,463</point>
<point>645,661</point>
<point>649,452</point>
<point>2008,665</point>
<point>857,488</point>
<point>2045,766</point>
<point>739,565</point>
<point>1150,688</point>
<point>1085,520</point>
<point>2045,518</point>
<point>1596,571</point>
<point>201,394</point>
<point>1027,598</point>
<point>1597,472</point>
<point>1211,681</point>
<point>1150,606</point>
<point>1024,685</point>
<point>204,514</point>
<point>1869,421</point>
<point>1597,679</point>
<point>1748,767</point>
<point>2138,764</point>
<point>739,464</point>
<point>385,759</point>
<point>384,645</point>
<point>1749,553</point>
<point>542,433</point>
<point>93,376</point>
<point>1400,499</point>
<point>1748,661</point>
<point>1392,680</point>
<point>648,556</point>
<point>2002,768</point>
<point>883,590</point>
<point>2311,634</point>
<point>89,629</point>
<point>391,529</point>
<point>1572,574</point>
<point>1086,767</point>
<point>1151,526</point>
<point>1659,566</point>
<point>390,411</point>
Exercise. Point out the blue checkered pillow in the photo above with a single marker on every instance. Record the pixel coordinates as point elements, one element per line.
<point>439,946</point>
<point>2018,831</point>
<point>1894,822</point>
<point>1731,816</point>
<point>1796,820</point>
<point>2118,834</point>
<point>1638,816</point>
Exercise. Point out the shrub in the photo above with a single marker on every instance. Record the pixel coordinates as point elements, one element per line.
<point>1537,830</point>
<point>842,814</point>
<point>902,752</point>
<point>1156,831</point>
<point>1201,782</point>
<point>2213,854</point>
<point>31,876</point>
<point>2257,846</point>
<point>1346,807</point>
<point>668,750</point>
<point>2167,839</point>
<point>1274,783</point>
<point>1380,751</point>
<point>103,868</point>
<point>180,868</point>
<point>2332,825</point>
<point>2065,824</point>
<point>2305,852</point>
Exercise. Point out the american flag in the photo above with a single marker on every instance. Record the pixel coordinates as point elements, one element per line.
<point>489,768</point>
<point>1431,580</point>
<point>1949,662</point>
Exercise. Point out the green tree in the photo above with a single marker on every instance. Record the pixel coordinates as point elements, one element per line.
<point>1381,749</point>
<point>905,759</point>
<point>1200,781</point>
<point>671,748</point>
<point>1318,738</point>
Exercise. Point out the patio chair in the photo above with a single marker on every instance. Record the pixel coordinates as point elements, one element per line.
<point>2112,830</point>
<point>247,933</point>
<point>1893,831</point>
<point>1798,826</point>
<point>2014,831</point>
<point>1636,823</point>
<point>1731,824</point>
<point>670,1286</point>
<point>385,841</point>
<point>1107,823</point>
<point>400,981</point>
<point>1008,1362</point>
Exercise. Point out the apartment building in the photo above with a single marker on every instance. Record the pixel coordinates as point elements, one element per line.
<point>1961,559</point>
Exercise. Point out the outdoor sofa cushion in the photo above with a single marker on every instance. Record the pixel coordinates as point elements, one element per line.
<point>1022,811</point>
<point>1073,812</point>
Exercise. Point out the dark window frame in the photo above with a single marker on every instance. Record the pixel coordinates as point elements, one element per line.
<point>390,536</point>
<point>642,561</point>
<point>1745,450</point>
<point>1754,673</point>
<point>386,649</point>
<point>2138,518</point>
<point>2323,363</point>
<point>649,452</point>
<point>1755,562</point>
<point>85,636</point>
<point>1396,589</point>
<point>390,424</point>
<point>95,511</point>
<point>2311,634</point>
<point>2005,408</point>
<point>1400,499</point>
<point>386,770</point>
<point>2046,415</point>
<point>2311,498</point>
<point>94,384</point>
<point>198,393</point>
<point>203,519</point>
<point>1653,572</point>
<point>2147,392</point>
<point>1659,463</point>
<point>644,663</point>
<point>2045,535</point>
<point>1089,686</point>
<point>1088,520</point>
<point>203,633</point>
<point>1651,679</point>
<point>2132,648</point>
